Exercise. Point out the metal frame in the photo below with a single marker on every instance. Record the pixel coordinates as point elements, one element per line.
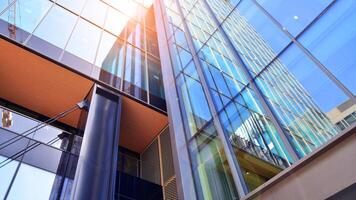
<point>228,149</point>
<point>181,155</point>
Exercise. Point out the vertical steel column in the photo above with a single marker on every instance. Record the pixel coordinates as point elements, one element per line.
<point>236,172</point>
<point>180,154</point>
<point>96,171</point>
<point>259,94</point>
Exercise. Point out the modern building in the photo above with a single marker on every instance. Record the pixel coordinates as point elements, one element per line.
<point>176,99</point>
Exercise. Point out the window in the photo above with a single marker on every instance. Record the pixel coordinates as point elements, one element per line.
<point>56,27</point>
<point>95,11</point>
<point>332,40</point>
<point>75,6</point>
<point>294,16</point>
<point>84,41</point>
<point>28,13</point>
<point>116,22</point>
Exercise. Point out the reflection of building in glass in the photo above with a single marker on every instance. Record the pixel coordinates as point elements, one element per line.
<point>344,115</point>
<point>176,99</point>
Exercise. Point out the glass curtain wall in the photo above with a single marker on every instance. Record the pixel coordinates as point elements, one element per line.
<point>114,42</point>
<point>35,164</point>
<point>272,70</point>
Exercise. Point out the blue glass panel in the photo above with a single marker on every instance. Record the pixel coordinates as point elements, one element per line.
<point>6,174</point>
<point>28,13</point>
<point>56,26</point>
<point>32,183</point>
<point>294,15</point>
<point>322,90</point>
<point>332,40</point>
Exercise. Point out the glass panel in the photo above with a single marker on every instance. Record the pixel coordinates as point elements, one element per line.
<point>111,59</point>
<point>128,7</point>
<point>106,47</point>
<point>32,183</point>
<point>301,95</point>
<point>193,103</point>
<point>136,35</point>
<point>28,13</point>
<point>57,26</point>
<point>152,45</point>
<point>95,11</point>
<point>6,174</point>
<point>4,4</point>
<point>332,40</point>
<point>135,73</point>
<point>210,168</point>
<point>155,77</point>
<point>294,15</point>
<point>116,22</point>
<point>254,36</point>
<point>75,6</point>
<point>84,41</point>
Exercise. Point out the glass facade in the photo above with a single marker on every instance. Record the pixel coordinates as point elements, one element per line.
<point>258,84</point>
<point>255,82</point>
<point>35,164</point>
<point>114,44</point>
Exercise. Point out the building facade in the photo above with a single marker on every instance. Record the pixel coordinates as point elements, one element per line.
<point>203,99</point>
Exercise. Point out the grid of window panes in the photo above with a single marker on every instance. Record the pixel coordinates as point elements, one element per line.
<point>299,56</point>
<point>113,41</point>
<point>204,145</point>
<point>34,162</point>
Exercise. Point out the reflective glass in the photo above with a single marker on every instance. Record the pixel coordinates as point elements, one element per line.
<point>155,77</point>
<point>301,97</point>
<point>116,22</point>
<point>127,7</point>
<point>135,67</point>
<point>294,16</point>
<point>152,44</point>
<point>56,26</point>
<point>32,183</point>
<point>332,40</point>
<point>193,102</point>
<point>107,51</point>
<point>211,171</point>
<point>254,35</point>
<point>6,174</point>
<point>4,4</point>
<point>95,11</point>
<point>136,35</point>
<point>75,6</point>
<point>84,41</point>
<point>28,13</point>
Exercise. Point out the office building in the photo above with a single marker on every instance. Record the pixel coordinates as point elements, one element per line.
<point>168,99</point>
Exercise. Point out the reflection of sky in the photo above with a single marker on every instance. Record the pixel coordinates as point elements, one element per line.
<point>22,124</point>
<point>31,182</point>
<point>331,40</point>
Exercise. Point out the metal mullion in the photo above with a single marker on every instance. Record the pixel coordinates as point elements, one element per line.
<point>232,160</point>
<point>71,33</point>
<point>102,30</point>
<point>324,69</point>
<point>123,70</point>
<point>280,97</point>
<point>295,103</point>
<point>264,103</point>
<point>172,62</point>
<point>44,16</point>
<point>146,60</point>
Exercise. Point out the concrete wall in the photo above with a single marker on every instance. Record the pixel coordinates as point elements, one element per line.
<point>319,176</point>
